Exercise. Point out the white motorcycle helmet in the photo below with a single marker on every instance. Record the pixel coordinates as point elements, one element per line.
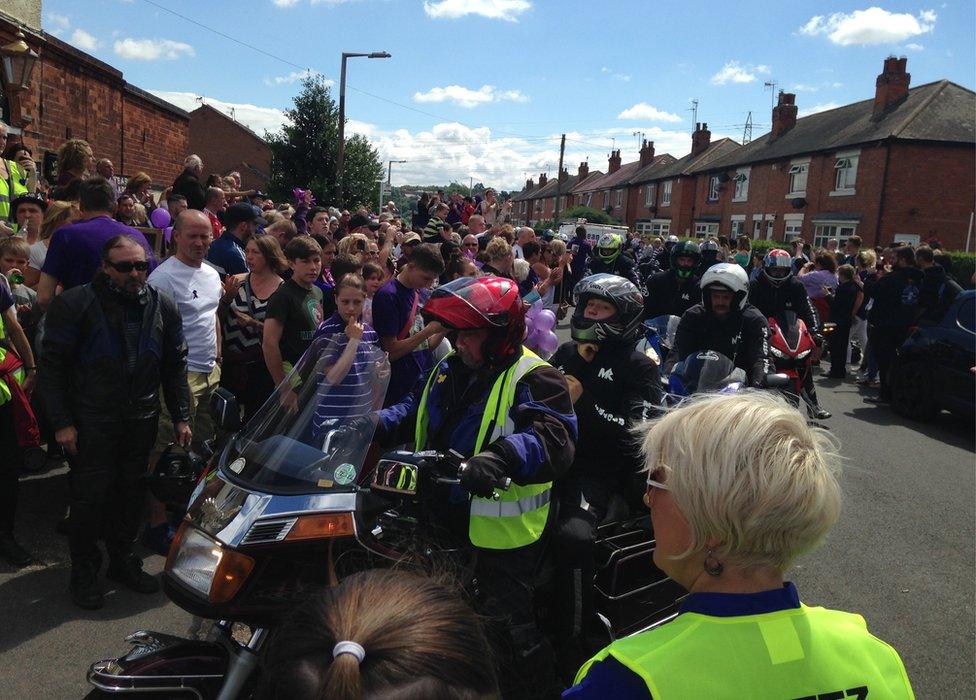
<point>728,275</point>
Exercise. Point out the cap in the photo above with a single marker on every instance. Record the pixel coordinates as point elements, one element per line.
<point>27,198</point>
<point>259,193</point>
<point>361,220</point>
<point>239,212</point>
<point>412,237</point>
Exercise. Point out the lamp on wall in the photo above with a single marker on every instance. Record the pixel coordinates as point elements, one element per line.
<point>18,61</point>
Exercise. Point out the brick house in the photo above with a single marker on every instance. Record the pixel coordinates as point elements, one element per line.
<point>74,95</point>
<point>581,193</point>
<point>226,145</point>
<point>524,202</point>
<point>900,166</point>
<point>609,192</point>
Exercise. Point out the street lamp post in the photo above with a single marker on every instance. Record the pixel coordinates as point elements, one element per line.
<point>342,115</point>
<point>389,182</point>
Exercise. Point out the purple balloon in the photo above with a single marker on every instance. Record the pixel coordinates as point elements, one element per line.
<point>160,217</point>
<point>546,319</point>
<point>549,342</point>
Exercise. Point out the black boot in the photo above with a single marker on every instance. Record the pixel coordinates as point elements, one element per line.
<point>12,552</point>
<point>128,571</point>
<point>84,588</point>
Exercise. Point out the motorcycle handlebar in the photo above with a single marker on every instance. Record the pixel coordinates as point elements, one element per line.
<point>450,465</point>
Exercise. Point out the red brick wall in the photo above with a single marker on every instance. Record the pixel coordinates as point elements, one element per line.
<point>223,145</point>
<point>155,141</point>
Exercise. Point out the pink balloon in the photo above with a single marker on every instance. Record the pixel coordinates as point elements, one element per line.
<point>160,217</point>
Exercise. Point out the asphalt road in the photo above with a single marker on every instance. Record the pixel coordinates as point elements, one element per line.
<point>902,555</point>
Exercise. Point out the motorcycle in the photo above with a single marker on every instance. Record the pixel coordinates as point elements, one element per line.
<point>710,372</point>
<point>294,502</point>
<point>793,349</point>
<point>658,337</point>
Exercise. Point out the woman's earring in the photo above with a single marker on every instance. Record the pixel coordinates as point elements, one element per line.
<point>713,567</point>
<point>647,499</point>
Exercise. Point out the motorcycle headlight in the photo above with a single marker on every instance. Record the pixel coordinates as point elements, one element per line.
<point>777,352</point>
<point>206,566</point>
<point>803,354</point>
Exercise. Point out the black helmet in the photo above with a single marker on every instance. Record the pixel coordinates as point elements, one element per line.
<point>175,476</point>
<point>687,249</point>
<point>624,326</point>
<point>710,252</point>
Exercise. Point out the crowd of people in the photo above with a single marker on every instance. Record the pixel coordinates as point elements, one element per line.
<point>113,343</point>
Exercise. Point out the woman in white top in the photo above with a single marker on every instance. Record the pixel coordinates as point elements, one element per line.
<point>57,215</point>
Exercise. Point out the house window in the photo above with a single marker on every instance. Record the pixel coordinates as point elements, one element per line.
<point>589,199</point>
<point>618,197</point>
<point>704,229</point>
<point>666,193</point>
<point>661,227</point>
<point>769,229</point>
<point>741,180</point>
<point>838,231</point>
<point>793,230</point>
<point>798,179</point>
<point>562,202</point>
<point>649,195</point>
<point>757,229</point>
<point>845,169</point>
<point>713,186</point>
<point>738,227</point>
<point>643,227</point>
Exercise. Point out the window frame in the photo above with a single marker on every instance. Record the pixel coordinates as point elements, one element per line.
<point>740,192</point>
<point>649,192</point>
<point>618,198</point>
<point>666,193</point>
<point>837,228</point>
<point>706,229</point>
<point>845,162</point>
<point>713,191</point>
<point>798,167</point>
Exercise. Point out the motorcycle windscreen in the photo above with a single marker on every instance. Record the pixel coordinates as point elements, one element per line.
<point>665,327</point>
<point>707,371</point>
<point>313,433</point>
<point>789,326</point>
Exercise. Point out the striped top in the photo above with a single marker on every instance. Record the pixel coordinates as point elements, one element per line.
<point>237,336</point>
<point>353,396</point>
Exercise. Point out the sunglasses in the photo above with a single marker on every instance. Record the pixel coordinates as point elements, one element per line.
<point>127,267</point>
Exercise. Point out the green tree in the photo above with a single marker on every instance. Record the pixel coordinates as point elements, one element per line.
<point>595,216</point>
<point>303,153</point>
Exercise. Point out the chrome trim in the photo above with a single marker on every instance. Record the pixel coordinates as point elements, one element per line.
<point>255,537</point>
<point>131,682</point>
<point>260,508</point>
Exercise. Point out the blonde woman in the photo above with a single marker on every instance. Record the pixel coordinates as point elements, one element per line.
<point>57,215</point>
<point>139,186</point>
<point>354,245</point>
<point>739,486</point>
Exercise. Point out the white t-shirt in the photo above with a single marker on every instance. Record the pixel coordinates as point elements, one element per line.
<point>38,251</point>
<point>517,251</point>
<point>196,291</point>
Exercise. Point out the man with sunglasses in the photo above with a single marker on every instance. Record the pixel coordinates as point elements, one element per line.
<point>107,348</point>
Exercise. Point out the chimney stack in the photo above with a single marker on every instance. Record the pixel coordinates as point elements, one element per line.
<point>700,139</point>
<point>646,153</point>
<point>613,164</point>
<point>784,115</point>
<point>563,175</point>
<point>891,86</point>
<point>584,171</point>
<point>529,184</point>
<point>543,179</point>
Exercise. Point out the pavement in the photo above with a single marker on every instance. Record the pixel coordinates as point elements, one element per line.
<point>902,555</point>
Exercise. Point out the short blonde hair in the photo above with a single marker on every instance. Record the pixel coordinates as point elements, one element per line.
<point>558,248</point>
<point>747,472</point>
<point>348,246</point>
<point>497,248</point>
<point>520,269</point>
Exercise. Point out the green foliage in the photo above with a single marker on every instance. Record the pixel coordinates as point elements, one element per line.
<point>963,267</point>
<point>303,153</point>
<point>594,216</point>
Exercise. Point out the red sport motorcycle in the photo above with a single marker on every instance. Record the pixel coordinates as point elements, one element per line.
<point>793,349</point>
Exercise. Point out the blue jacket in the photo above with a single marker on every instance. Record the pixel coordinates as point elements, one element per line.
<point>227,255</point>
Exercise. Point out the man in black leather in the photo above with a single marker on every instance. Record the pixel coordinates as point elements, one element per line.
<point>107,347</point>
<point>674,291</point>
<point>727,323</point>
<point>612,386</point>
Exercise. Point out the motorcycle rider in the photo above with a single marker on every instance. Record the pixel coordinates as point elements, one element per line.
<point>725,322</point>
<point>711,254</point>
<point>610,258</point>
<point>675,290</point>
<point>664,253</point>
<point>510,414</point>
<point>612,386</point>
<point>776,290</point>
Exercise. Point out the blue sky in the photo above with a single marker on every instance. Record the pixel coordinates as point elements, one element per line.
<point>483,88</point>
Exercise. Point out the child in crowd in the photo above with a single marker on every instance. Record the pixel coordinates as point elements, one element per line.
<point>350,351</point>
<point>294,312</point>
<point>14,256</point>
<point>375,277</point>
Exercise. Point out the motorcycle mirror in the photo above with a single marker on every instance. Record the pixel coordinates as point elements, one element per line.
<point>776,380</point>
<point>224,410</point>
<point>394,476</point>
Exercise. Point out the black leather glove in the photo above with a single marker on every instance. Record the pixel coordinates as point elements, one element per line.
<point>482,475</point>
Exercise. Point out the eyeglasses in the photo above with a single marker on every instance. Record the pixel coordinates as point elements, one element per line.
<point>470,245</point>
<point>655,480</point>
<point>127,267</point>
<point>373,253</point>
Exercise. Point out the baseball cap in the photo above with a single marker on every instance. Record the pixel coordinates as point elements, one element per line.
<point>27,198</point>
<point>411,237</point>
<point>239,212</point>
<point>362,220</point>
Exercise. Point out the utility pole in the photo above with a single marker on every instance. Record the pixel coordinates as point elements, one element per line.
<point>747,132</point>
<point>555,209</point>
<point>694,114</point>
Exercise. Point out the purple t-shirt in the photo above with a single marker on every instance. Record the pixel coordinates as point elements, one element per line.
<point>816,281</point>
<point>6,296</point>
<point>75,252</point>
<point>392,305</point>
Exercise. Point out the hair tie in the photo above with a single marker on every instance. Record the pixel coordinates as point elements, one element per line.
<point>349,648</point>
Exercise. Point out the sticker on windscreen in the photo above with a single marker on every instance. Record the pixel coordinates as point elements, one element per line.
<point>237,466</point>
<point>344,474</point>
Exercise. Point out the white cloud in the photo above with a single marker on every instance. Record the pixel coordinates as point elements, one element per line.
<point>83,40</point>
<point>256,118</point>
<point>763,69</point>
<point>508,10</point>
<point>152,49</point>
<point>642,110</point>
<point>817,108</point>
<point>285,3</point>
<point>734,72</point>
<point>914,47</point>
<point>871,26</point>
<point>468,98</point>
<point>623,77</point>
<point>296,76</point>
<point>803,87</point>
<point>56,24</point>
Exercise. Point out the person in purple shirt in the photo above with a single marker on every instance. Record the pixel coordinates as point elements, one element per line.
<point>581,251</point>
<point>74,254</point>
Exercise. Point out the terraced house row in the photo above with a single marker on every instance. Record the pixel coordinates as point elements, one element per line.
<point>898,167</point>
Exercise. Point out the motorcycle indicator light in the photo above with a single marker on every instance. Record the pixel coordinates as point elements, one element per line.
<point>322,526</point>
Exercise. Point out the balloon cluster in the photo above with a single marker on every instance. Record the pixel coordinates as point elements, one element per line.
<point>539,325</point>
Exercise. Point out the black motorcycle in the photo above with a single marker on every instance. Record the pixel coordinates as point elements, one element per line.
<point>291,504</point>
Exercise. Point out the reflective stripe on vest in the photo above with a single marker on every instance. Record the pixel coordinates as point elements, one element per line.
<point>520,515</point>
<point>797,653</point>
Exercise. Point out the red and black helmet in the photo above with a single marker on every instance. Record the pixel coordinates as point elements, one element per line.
<point>777,266</point>
<point>472,303</point>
